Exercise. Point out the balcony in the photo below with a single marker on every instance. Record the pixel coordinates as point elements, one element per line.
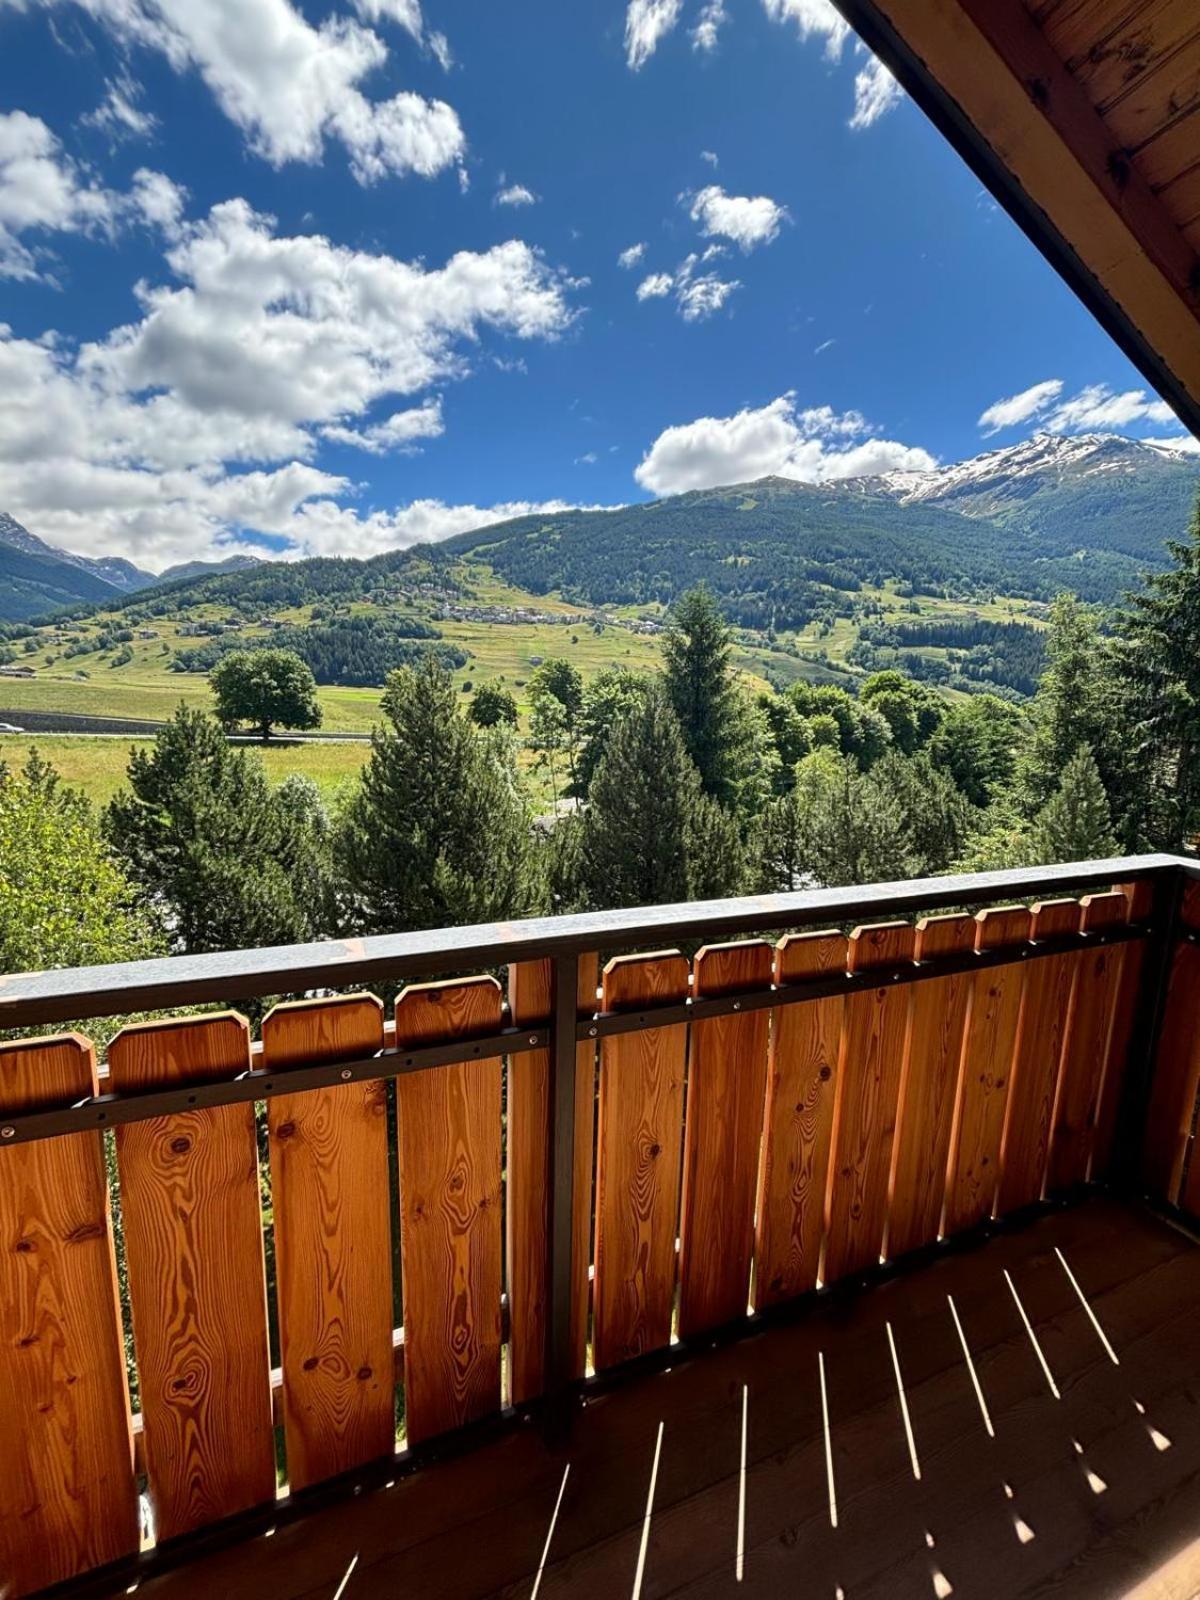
<point>842,1250</point>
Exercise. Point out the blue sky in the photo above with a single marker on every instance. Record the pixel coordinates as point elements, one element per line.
<point>333,277</point>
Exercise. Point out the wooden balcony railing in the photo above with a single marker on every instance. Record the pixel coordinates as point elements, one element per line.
<point>477,1209</point>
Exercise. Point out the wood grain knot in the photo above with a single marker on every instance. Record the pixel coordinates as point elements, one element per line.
<point>285,1130</point>
<point>312,1363</point>
<point>825,1074</point>
<point>25,1247</point>
<point>655,1151</point>
<point>364,1373</point>
<point>180,1146</point>
<point>30,1338</point>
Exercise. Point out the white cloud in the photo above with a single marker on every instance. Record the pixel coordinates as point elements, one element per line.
<point>43,191</point>
<point>1097,408</point>
<point>1020,407</point>
<point>748,220</point>
<point>697,295</point>
<point>825,344</point>
<point>629,258</point>
<point>707,31</point>
<point>775,440</point>
<point>515,194</point>
<point>323,527</point>
<point>875,93</point>
<point>655,286</point>
<point>136,443</point>
<point>1094,408</point>
<point>118,116</point>
<point>588,459</point>
<point>647,22</point>
<point>439,45</point>
<point>818,19</point>
<point>290,86</point>
<point>407,13</point>
<point>698,298</point>
<point>396,434</point>
<point>711,157</point>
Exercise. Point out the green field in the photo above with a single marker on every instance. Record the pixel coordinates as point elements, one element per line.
<point>98,765</point>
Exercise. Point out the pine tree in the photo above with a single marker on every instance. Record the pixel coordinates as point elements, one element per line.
<point>437,833</point>
<point>1157,694</point>
<point>224,860</point>
<point>701,690</point>
<point>649,835</point>
<point>938,817</point>
<point>838,826</point>
<point>1065,711</point>
<point>1076,823</point>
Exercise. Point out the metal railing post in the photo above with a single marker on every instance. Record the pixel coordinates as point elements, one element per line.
<point>560,1185</point>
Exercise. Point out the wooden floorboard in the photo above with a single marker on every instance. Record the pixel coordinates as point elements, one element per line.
<point>1070,1497</point>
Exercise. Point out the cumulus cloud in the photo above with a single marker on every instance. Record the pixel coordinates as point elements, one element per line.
<point>818,19</point>
<point>706,33</point>
<point>629,258</point>
<point>812,445</point>
<point>1094,408</point>
<point>289,85</point>
<point>43,191</point>
<point>747,220</point>
<point>655,286</point>
<point>198,421</point>
<point>647,23</point>
<point>1020,407</point>
<point>875,93</point>
<point>1186,445</point>
<point>515,194</point>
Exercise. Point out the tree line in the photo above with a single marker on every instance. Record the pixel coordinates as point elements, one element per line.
<point>668,786</point>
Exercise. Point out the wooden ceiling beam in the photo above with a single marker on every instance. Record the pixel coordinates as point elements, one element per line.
<point>988,77</point>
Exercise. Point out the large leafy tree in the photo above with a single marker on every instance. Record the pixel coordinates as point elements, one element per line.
<point>437,833</point>
<point>606,699</point>
<point>228,862</point>
<point>912,712</point>
<point>977,745</point>
<point>266,688</point>
<point>492,705</point>
<point>64,901</point>
<point>702,693</point>
<point>650,836</point>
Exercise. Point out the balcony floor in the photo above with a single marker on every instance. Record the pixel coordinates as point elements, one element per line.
<point>1073,1496</point>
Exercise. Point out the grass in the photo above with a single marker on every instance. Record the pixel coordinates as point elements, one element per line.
<point>97,766</point>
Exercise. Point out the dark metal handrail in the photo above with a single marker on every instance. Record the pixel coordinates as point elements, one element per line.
<point>36,998</point>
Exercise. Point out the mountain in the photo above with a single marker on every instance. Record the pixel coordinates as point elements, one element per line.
<point>36,578</point>
<point>202,569</point>
<point>1088,514</point>
<point>114,570</point>
<point>1094,492</point>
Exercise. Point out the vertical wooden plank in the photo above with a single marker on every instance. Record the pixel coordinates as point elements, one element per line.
<point>1085,1050</point>
<point>449,1125</point>
<point>926,1107</point>
<point>68,1499</point>
<point>874,1041</point>
<point>638,1150</point>
<point>1129,987</point>
<point>1045,1010</point>
<point>194,1247</point>
<point>1177,1069</point>
<point>727,1071</point>
<point>987,1066</point>
<point>329,1192</point>
<point>798,1122</point>
<point>527,1202</point>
